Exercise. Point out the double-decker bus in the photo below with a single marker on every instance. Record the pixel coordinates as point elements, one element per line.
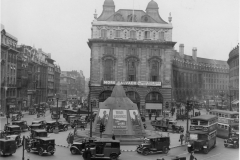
<point>228,122</point>
<point>202,134</point>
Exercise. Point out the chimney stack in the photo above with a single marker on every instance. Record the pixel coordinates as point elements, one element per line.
<point>181,50</point>
<point>194,53</point>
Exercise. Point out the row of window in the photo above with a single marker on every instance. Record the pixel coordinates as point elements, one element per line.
<point>234,83</point>
<point>8,41</point>
<point>225,115</point>
<point>11,92</point>
<point>132,34</point>
<point>234,72</point>
<point>212,86</point>
<point>234,63</point>
<point>222,126</point>
<point>209,75</point>
<point>131,70</point>
<point>215,80</point>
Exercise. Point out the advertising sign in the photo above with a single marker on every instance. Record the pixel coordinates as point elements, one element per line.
<point>133,83</point>
<point>135,118</point>
<point>119,119</point>
<point>103,116</point>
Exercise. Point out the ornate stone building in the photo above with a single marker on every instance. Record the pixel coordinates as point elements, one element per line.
<point>233,62</point>
<point>134,48</point>
<point>196,78</point>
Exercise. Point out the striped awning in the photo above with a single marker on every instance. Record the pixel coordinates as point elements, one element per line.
<point>236,101</point>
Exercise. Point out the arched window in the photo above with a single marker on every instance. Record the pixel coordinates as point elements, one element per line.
<point>154,97</point>
<point>108,69</point>
<point>103,33</point>
<point>104,95</point>
<point>131,68</point>
<point>154,71</point>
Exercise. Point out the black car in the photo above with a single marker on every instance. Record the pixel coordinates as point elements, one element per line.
<point>50,126</point>
<point>233,141</point>
<point>12,130</point>
<point>78,147</point>
<point>154,144</point>
<point>43,122</point>
<point>36,126</point>
<point>40,142</point>
<point>63,125</point>
<point>17,139</point>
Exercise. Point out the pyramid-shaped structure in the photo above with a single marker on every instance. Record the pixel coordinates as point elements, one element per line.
<point>120,115</point>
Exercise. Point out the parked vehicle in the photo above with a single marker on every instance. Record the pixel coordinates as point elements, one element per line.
<point>43,122</point>
<point>32,111</point>
<point>50,126</point>
<point>17,139</point>
<point>12,130</point>
<point>104,148</point>
<point>36,126</point>
<point>55,114</point>
<point>154,144</point>
<point>233,141</point>
<point>7,147</point>
<point>16,117</point>
<point>40,142</point>
<point>77,147</point>
<point>22,124</point>
<point>166,124</point>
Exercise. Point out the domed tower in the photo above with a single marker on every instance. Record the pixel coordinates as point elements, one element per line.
<point>108,10</point>
<point>152,10</point>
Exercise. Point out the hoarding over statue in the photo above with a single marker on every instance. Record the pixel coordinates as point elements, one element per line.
<point>120,115</point>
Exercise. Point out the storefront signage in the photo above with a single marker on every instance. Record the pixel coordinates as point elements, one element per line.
<point>133,83</point>
<point>203,128</point>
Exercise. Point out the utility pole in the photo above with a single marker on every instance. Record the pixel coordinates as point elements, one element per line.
<point>187,109</point>
<point>23,147</point>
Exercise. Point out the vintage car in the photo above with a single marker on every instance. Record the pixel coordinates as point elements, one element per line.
<point>40,142</point>
<point>16,117</point>
<point>55,115</point>
<point>36,126</point>
<point>50,126</point>
<point>12,130</point>
<point>79,124</point>
<point>166,125</point>
<point>104,148</point>
<point>63,125</point>
<point>32,111</point>
<point>154,144</point>
<point>233,141</point>
<point>40,112</point>
<point>7,147</point>
<point>78,147</point>
<point>43,122</point>
<point>17,139</point>
<point>22,124</point>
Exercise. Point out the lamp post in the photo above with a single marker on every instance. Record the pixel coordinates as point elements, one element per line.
<point>23,143</point>
<point>56,95</point>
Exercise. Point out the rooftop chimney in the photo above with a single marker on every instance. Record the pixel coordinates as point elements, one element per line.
<point>181,50</point>
<point>194,53</point>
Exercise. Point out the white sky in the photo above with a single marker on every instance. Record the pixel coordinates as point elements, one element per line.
<point>63,27</point>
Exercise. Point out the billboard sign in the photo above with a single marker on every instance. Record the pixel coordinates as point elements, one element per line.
<point>119,119</point>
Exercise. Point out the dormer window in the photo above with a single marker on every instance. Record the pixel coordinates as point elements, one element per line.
<point>162,36</point>
<point>117,33</point>
<point>133,34</point>
<point>103,33</point>
<point>146,34</point>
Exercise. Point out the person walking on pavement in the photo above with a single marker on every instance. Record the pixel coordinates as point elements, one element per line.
<point>75,130</point>
<point>181,138</point>
<point>113,137</point>
<point>192,157</point>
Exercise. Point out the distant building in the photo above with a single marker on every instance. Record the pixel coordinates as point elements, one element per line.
<point>233,62</point>
<point>8,69</point>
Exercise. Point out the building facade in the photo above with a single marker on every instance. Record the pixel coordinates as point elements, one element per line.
<point>133,48</point>
<point>50,80</point>
<point>233,62</point>
<point>57,73</point>
<point>196,78</point>
<point>8,70</point>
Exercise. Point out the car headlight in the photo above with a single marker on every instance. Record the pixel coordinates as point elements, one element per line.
<point>235,141</point>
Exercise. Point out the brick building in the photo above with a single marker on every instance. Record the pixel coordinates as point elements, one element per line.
<point>233,62</point>
<point>8,70</point>
<point>134,48</point>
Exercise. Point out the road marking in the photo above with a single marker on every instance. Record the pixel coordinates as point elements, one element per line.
<point>211,156</point>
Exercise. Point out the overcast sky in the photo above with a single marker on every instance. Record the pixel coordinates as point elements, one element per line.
<point>63,27</point>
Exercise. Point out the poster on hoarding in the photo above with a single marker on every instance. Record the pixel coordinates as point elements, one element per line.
<point>119,119</point>
<point>103,116</point>
<point>135,118</point>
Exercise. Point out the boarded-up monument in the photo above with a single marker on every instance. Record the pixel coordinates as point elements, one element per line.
<point>120,116</point>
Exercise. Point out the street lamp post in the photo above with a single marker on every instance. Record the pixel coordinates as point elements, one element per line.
<point>23,142</point>
<point>57,111</point>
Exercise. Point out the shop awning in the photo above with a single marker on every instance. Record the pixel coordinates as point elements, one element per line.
<point>153,105</point>
<point>236,101</point>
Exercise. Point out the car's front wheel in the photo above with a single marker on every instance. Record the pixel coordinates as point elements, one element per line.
<point>74,151</point>
<point>145,152</point>
<point>165,150</point>
<point>40,152</point>
<point>113,156</point>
